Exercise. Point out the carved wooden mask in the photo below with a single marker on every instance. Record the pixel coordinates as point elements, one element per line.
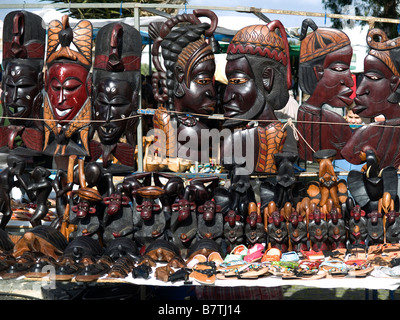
<point>116,80</point>
<point>23,58</point>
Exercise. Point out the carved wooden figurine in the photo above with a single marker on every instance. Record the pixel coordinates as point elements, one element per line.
<point>368,186</point>
<point>23,59</point>
<point>286,188</point>
<point>184,225</point>
<point>324,75</point>
<point>254,229</point>
<point>337,232</point>
<point>392,227</point>
<point>297,227</point>
<point>118,218</point>
<point>15,168</point>
<point>84,214</point>
<point>148,217</point>
<point>328,186</point>
<point>357,226</point>
<point>375,228</point>
<point>233,230</point>
<point>41,186</point>
<point>318,231</point>
<point>210,221</point>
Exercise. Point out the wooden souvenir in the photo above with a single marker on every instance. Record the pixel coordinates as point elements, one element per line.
<point>378,94</point>
<point>324,75</point>
<point>116,80</point>
<point>236,196</point>
<point>41,239</point>
<point>358,231</point>
<point>297,227</point>
<point>329,187</point>
<point>259,76</point>
<point>318,231</point>
<point>41,187</point>
<point>254,230</point>
<point>210,221</point>
<point>118,218</point>
<point>392,227</point>
<point>184,225</point>
<point>337,232</point>
<point>84,213</point>
<point>275,221</point>
<point>148,218</point>
<point>368,186</point>
<point>67,109</point>
<point>174,190</point>
<point>183,86</point>
<point>10,177</point>
<point>233,230</point>
<point>286,188</point>
<point>375,228</point>
<point>23,59</point>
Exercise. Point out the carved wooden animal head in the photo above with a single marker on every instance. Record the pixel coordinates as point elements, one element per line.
<point>391,216</point>
<point>147,208</point>
<point>184,208</point>
<point>83,208</point>
<point>356,213</point>
<point>276,218</point>
<point>231,217</point>
<point>209,209</point>
<point>374,216</point>
<point>114,203</point>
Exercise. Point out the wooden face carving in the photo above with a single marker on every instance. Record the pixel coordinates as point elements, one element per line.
<point>241,91</point>
<point>334,79</point>
<point>115,100</point>
<point>199,94</point>
<point>377,85</point>
<point>21,85</point>
<point>66,88</point>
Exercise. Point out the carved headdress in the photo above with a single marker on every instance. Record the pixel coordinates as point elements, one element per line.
<point>61,37</point>
<point>185,46</point>
<point>386,50</point>
<point>24,37</point>
<point>264,41</point>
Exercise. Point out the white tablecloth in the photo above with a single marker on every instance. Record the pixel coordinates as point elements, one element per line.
<point>369,282</point>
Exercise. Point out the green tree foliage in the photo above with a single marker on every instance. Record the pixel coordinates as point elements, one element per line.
<point>367,8</point>
<point>113,13</point>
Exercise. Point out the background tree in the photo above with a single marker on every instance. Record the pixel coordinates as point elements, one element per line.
<point>367,8</point>
<point>107,13</point>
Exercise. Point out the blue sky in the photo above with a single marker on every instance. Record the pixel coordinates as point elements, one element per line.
<point>287,20</point>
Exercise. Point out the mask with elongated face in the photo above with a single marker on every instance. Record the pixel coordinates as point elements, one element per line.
<point>67,105</point>
<point>23,52</point>
<point>116,80</point>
